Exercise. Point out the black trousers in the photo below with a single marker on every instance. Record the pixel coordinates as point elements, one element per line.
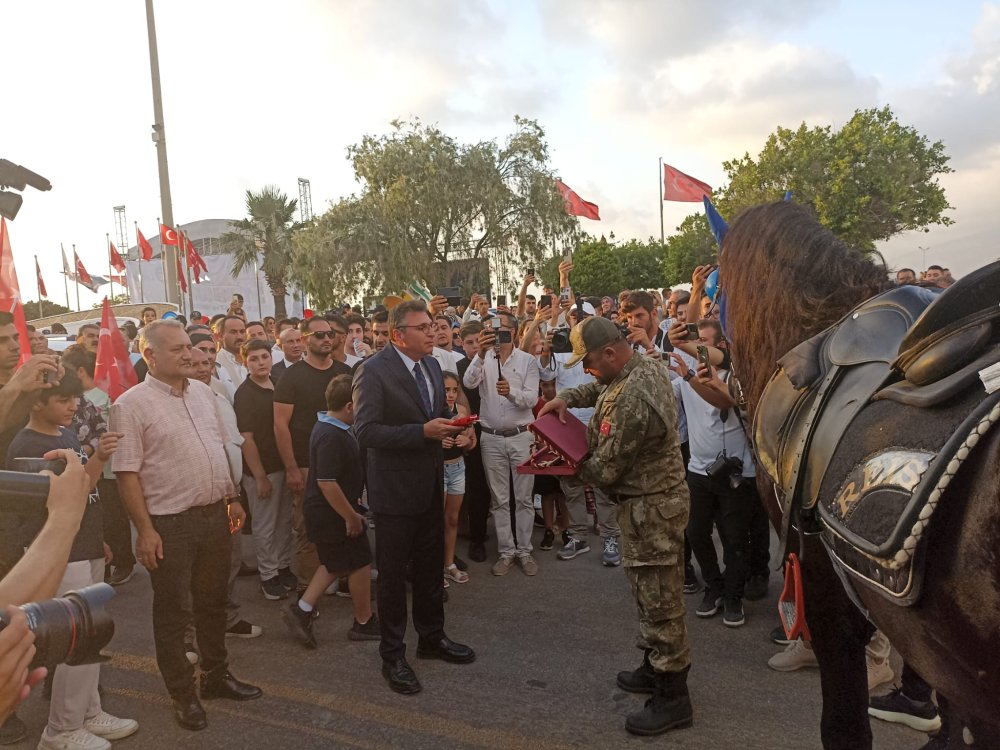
<point>759,538</point>
<point>418,540</point>
<point>117,530</point>
<point>477,496</point>
<point>189,584</point>
<point>728,509</point>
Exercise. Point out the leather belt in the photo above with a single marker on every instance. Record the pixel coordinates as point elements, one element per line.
<point>504,433</point>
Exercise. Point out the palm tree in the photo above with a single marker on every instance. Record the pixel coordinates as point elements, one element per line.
<point>267,231</point>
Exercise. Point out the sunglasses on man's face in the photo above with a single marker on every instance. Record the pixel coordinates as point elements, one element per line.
<point>320,335</point>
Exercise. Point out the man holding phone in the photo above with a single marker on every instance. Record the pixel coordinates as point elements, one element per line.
<point>507,380</point>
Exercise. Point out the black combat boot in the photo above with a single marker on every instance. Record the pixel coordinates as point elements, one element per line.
<point>640,680</point>
<point>669,708</point>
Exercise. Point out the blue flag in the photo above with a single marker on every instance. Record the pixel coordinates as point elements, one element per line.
<point>716,222</point>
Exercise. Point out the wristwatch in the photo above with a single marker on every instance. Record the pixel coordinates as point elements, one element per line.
<point>690,374</point>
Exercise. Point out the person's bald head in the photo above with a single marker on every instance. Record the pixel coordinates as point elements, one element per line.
<point>292,344</point>
<point>202,366</point>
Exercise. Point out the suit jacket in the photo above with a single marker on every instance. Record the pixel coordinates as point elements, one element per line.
<point>405,470</point>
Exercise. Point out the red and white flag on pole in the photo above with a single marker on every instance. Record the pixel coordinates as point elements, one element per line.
<point>678,186</point>
<point>575,205</point>
<point>168,236</point>
<point>195,262</point>
<point>82,276</point>
<point>180,276</point>
<point>116,260</point>
<point>10,291</point>
<point>145,249</point>
<point>42,292</point>
<point>114,373</point>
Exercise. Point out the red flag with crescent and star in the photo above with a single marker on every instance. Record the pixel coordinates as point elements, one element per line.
<point>678,186</point>
<point>114,373</point>
<point>10,292</point>
<point>81,273</point>
<point>575,205</point>
<point>195,262</point>
<point>115,258</point>
<point>42,291</point>
<point>145,249</point>
<point>168,236</point>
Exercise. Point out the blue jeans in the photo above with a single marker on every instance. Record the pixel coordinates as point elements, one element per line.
<point>454,478</point>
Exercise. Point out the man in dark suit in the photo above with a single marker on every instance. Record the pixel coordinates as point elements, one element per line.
<point>400,421</point>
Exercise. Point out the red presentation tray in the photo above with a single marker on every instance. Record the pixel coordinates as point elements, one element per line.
<point>559,448</point>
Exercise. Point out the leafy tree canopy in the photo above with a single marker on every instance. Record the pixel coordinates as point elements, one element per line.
<point>605,267</point>
<point>427,198</point>
<point>868,181</point>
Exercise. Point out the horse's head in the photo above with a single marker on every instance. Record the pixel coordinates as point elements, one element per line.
<point>785,278</point>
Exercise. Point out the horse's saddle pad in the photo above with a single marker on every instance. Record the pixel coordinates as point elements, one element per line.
<point>885,480</point>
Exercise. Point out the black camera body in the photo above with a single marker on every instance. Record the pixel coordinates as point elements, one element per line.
<point>726,469</point>
<point>560,341</point>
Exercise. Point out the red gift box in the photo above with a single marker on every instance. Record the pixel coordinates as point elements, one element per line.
<point>559,448</point>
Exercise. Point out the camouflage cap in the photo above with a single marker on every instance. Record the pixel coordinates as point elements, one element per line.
<point>593,333</point>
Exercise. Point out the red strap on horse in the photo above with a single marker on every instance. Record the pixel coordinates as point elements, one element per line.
<point>791,603</point>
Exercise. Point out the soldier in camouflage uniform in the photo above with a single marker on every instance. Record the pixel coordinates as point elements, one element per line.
<point>635,457</point>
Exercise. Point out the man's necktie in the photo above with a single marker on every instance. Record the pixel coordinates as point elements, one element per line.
<point>425,395</point>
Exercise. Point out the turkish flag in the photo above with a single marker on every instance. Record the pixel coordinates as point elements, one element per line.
<point>145,249</point>
<point>678,186</point>
<point>116,260</point>
<point>575,205</point>
<point>168,236</point>
<point>195,262</point>
<point>81,273</point>
<point>10,291</point>
<point>42,292</point>
<point>114,373</point>
<point>180,276</point>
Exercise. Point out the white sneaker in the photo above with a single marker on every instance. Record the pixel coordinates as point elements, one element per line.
<point>879,673</point>
<point>78,739</point>
<point>111,727</point>
<point>795,656</point>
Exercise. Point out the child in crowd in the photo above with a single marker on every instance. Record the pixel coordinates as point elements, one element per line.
<point>334,522</point>
<point>548,487</point>
<point>76,718</point>
<point>455,449</point>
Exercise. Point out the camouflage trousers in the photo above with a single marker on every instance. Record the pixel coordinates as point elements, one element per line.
<point>652,546</point>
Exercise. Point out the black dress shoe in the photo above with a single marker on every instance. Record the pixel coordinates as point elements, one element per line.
<point>477,552</point>
<point>224,685</point>
<point>189,713</point>
<point>446,650</point>
<point>401,677</point>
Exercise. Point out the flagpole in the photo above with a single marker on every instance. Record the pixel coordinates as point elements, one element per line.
<point>138,258</point>
<point>76,259</point>
<point>38,285</point>
<point>107,239</point>
<point>663,238</point>
<point>65,275</point>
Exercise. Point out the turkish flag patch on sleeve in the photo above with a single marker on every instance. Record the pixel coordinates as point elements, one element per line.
<point>607,428</point>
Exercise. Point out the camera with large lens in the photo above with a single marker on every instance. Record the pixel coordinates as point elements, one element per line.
<point>70,629</point>
<point>728,469</point>
<point>560,341</point>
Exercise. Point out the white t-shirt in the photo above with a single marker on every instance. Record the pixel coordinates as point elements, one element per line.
<point>567,377</point>
<point>708,434</point>
<point>448,360</point>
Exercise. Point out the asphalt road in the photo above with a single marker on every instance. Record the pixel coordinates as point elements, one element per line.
<point>548,649</point>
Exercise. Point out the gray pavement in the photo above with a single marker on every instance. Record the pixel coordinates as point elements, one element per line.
<point>548,649</point>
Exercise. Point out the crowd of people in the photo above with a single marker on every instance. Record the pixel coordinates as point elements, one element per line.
<point>315,431</point>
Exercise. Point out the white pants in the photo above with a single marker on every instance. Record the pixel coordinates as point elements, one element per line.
<point>272,525</point>
<point>500,459</point>
<point>74,689</point>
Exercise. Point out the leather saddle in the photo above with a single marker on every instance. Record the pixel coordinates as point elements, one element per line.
<point>917,347</point>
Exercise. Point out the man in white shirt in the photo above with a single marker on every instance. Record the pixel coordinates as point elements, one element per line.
<point>553,368</point>
<point>231,338</point>
<point>355,349</point>
<point>443,343</point>
<point>507,379</point>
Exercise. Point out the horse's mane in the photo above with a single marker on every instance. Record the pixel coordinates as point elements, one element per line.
<point>786,278</point>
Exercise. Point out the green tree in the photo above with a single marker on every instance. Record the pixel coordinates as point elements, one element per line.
<point>642,263</point>
<point>265,238</point>
<point>692,246</point>
<point>118,299</point>
<point>873,178</point>
<point>48,308</point>
<point>597,269</point>
<point>427,199</point>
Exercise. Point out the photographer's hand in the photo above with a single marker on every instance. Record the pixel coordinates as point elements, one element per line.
<point>17,649</point>
<point>68,492</point>
<point>437,305</point>
<point>679,366</point>
<point>39,373</point>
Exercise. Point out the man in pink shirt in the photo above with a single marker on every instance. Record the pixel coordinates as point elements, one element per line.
<point>175,481</point>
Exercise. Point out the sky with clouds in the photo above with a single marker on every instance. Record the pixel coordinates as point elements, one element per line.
<point>257,92</point>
